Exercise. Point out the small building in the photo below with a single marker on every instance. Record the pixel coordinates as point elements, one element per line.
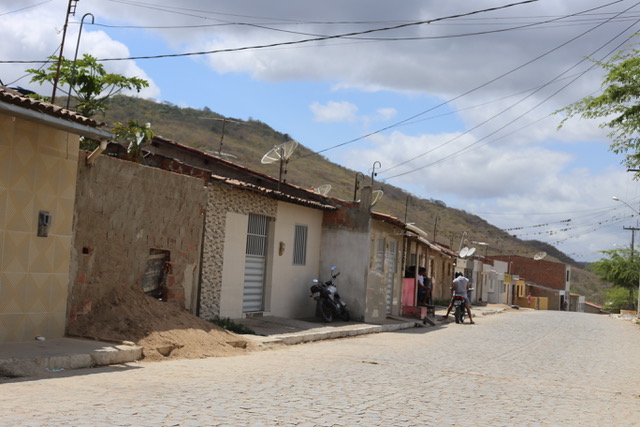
<point>38,168</point>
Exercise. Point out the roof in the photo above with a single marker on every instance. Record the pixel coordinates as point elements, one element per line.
<point>388,219</point>
<point>14,104</point>
<point>273,193</point>
<point>13,97</point>
<point>237,175</point>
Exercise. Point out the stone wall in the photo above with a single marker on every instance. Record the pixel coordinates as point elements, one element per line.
<point>123,211</point>
<point>224,199</point>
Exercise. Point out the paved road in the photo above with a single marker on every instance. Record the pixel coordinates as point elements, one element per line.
<point>510,369</point>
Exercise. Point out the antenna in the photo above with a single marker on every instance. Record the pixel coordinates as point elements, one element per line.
<point>540,255</point>
<point>464,252</point>
<point>279,153</point>
<point>323,189</point>
<point>376,195</point>
<point>224,121</point>
<point>471,251</point>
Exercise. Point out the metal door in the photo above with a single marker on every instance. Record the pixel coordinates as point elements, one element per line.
<point>255,264</point>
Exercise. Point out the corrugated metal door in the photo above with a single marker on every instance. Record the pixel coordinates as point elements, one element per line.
<point>391,269</point>
<point>255,264</point>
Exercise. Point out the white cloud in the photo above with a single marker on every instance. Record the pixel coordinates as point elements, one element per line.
<point>334,111</point>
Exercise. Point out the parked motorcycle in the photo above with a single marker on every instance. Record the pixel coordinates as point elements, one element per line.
<point>329,305</point>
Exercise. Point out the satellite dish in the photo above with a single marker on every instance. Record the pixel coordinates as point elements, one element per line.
<point>376,195</point>
<point>323,189</point>
<point>539,255</point>
<point>464,252</point>
<point>279,153</point>
<point>471,251</point>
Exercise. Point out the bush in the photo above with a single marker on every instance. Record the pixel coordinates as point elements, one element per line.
<point>231,326</point>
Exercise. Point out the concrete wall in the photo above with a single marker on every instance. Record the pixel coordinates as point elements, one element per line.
<point>37,173</point>
<point>385,271</point>
<point>290,283</point>
<point>345,244</point>
<point>123,211</point>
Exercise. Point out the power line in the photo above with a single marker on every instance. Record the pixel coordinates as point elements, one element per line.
<point>513,70</point>
<point>460,151</point>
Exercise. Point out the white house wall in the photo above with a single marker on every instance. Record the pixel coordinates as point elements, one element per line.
<point>290,283</point>
<point>235,242</point>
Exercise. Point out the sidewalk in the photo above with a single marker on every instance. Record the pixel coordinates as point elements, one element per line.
<point>42,358</point>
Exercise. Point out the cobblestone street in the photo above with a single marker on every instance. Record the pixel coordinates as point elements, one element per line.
<point>510,369</point>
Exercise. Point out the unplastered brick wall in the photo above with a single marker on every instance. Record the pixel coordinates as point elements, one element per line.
<point>123,211</point>
<point>223,199</point>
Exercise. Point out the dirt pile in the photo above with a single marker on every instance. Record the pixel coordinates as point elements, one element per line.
<point>162,329</point>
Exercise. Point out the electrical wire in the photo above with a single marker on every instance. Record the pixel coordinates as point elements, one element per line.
<point>25,8</point>
<point>460,151</point>
<point>497,78</point>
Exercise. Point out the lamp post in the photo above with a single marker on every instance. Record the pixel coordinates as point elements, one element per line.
<point>633,230</point>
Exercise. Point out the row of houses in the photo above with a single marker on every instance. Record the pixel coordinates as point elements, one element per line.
<point>211,236</point>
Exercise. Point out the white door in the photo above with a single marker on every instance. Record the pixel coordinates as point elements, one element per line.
<point>255,264</point>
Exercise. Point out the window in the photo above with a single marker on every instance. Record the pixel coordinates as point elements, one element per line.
<point>300,245</point>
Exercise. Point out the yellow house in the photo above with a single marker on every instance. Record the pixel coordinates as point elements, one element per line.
<point>38,168</point>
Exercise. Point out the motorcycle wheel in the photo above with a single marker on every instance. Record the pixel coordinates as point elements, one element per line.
<point>459,316</point>
<point>344,315</point>
<point>325,310</point>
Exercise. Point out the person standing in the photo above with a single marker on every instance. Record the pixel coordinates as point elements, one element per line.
<point>422,289</point>
<point>460,286</point>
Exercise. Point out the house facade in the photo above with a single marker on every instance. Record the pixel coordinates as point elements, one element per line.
<point>38,167</point>
<point>260,254</point>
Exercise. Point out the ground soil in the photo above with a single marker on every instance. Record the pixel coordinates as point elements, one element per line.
<point>163,330</point>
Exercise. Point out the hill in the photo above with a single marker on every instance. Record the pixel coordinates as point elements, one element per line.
<point>247,141</point>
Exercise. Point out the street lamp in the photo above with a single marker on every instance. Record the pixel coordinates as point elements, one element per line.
<point>633,231</point>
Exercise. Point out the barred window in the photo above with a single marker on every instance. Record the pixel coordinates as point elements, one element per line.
<point>300,245</point>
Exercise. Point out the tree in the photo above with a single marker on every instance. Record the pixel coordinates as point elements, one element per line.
<point>620,268</point>
<point>91,82</point>
<point>618,105</point>
<point>134,136</point>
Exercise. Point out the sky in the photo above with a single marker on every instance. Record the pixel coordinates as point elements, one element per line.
<point>451,100</point>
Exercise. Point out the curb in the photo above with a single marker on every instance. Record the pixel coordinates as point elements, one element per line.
<point>29,366</point>
<point>346,332</point>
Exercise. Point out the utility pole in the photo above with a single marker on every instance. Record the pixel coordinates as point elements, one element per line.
<point>633,234</point>
<point>71,11</point>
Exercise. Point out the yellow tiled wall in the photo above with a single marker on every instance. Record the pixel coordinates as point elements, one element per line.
<point>38,168</point>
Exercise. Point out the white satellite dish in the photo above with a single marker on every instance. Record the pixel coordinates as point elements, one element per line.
<point>279,153</point>
<point>323,189</point>
<point>376,196</point>
<point>464,252</point>
<point>471,251</point>
<point>539,255</point>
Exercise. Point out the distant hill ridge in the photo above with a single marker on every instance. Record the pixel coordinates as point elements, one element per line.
<point>247,141</point>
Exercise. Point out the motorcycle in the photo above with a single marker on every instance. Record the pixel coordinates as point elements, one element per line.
<point>460,309</point>
<point>329,305</point>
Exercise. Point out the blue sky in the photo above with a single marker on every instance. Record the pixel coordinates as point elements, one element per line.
<point>482,86</point>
